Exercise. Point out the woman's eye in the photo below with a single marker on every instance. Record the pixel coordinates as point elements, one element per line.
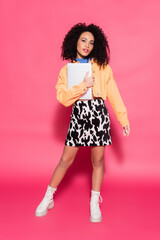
<point>90,42</point>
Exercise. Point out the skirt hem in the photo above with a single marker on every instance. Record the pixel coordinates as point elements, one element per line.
<point>91,145</point>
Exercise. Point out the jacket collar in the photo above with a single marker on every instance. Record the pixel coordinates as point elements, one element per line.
<point>90,61</point>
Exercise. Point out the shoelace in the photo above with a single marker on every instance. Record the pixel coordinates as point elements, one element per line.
<point>43,203</point>
<point>48,194</point>
<point>100,199</point>
<point>95,200</point>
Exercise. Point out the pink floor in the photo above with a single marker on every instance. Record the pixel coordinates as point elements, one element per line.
<point>130,210</point>
<point>33,124</point>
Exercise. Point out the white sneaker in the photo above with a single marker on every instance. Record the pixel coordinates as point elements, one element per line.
<point>95,213</point>
<point>46,203</point>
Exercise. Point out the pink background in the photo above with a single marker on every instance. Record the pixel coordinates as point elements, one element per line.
<point>33,124</point>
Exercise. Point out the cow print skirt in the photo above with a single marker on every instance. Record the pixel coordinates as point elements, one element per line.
<point>89,124</point>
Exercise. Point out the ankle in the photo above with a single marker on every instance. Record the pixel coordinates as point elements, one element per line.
<point>52,188</point>
<point>96,192</point>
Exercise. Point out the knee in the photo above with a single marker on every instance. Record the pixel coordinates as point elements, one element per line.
<point>97,161</point>
<point>65,162</point>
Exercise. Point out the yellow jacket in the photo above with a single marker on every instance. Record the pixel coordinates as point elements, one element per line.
<point>104,87</point>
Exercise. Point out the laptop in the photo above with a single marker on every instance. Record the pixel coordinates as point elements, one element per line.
<point>75,75</point>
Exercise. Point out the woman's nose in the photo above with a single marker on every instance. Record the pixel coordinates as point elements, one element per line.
<point>87,45</point>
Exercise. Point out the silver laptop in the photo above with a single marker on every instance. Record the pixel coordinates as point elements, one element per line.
<point>75,75</point>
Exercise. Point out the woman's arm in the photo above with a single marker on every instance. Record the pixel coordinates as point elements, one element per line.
<point>116,101</point>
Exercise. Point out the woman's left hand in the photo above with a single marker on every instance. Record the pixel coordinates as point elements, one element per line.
<point>126,130</point>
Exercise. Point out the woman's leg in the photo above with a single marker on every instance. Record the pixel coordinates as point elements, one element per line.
<point>97,154</point>
<point>66,160</point>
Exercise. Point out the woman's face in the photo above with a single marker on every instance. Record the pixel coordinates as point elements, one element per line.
<point>85,44</point>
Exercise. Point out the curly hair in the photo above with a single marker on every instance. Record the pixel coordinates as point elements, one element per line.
<point>100,52</point>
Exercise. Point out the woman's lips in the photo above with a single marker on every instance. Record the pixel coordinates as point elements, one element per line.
<point>85,50</point>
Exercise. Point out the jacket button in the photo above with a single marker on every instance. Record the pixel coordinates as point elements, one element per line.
<point>97,93</point>
<point>93,71</point>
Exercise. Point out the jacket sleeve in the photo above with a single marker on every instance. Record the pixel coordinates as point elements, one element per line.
<point>116,101</point>
<point>68,96</point>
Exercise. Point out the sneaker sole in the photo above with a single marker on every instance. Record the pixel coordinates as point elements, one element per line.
<point>41,214</point>
<point>99,219</point>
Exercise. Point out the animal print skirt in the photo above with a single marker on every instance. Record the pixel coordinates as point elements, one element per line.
<point>89,124</point>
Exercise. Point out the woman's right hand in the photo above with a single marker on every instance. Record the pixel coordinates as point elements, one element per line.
<point>89,81</point>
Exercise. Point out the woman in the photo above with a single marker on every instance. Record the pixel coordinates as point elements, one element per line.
<point>90,122</point>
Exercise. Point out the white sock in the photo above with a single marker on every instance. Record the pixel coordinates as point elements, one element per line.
<point>95,192</point>
<point>51,189</point>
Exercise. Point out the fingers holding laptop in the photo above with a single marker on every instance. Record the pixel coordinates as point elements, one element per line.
<point>89,81</point>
